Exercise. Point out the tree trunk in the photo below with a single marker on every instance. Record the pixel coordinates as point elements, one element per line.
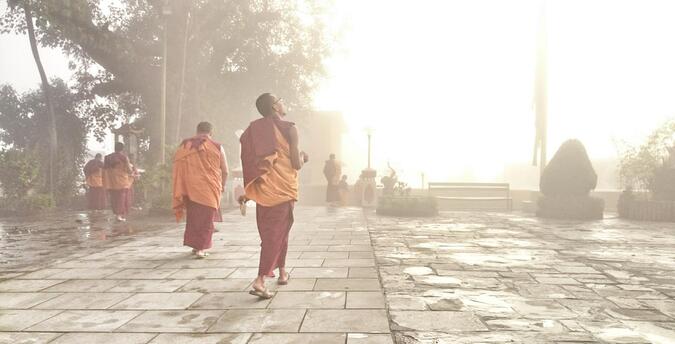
<point>53,143</point>
<point>179,111</point>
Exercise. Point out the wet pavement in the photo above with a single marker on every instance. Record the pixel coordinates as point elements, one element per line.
<point>356,278</point>
<point>509,278</point>
<point>28,242</point>
<point>148,288</point>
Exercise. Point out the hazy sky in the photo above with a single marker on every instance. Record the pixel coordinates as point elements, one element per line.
<point>447,85</point>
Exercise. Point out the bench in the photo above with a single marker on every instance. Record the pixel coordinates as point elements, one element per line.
<point>472,193</point>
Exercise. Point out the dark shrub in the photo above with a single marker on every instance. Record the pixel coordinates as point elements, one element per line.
<point>663,184</point>
<point>569,173</point>
<point>407,206</point>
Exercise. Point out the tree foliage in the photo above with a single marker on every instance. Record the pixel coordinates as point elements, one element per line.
<point>25,126</point>
<point>229,50</point>
<point>639,163</point>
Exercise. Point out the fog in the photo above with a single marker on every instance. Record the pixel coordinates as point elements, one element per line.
<point>447,86</point>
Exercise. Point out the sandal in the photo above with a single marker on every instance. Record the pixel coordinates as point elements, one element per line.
<point>284,282</point>
<point>263,294</point>
<point>201,255</point>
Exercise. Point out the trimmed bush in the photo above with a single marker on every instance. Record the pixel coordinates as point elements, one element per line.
<point>407,206</point>
<point>566,183</point>
<point>569,173</point>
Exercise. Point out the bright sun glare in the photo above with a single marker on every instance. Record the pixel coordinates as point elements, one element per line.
<point>448,85</point>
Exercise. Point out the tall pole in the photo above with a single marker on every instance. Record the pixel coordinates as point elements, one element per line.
<point>368,150</point>
<point>162,117</point>
<point>541,90</point>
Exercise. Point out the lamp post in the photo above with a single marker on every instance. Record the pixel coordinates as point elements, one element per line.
<point>369,194</point>
<point>166,12</point>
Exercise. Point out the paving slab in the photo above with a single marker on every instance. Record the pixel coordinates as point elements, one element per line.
<point>351,320</point>
<point>85,321</point>
<point>259,320</point>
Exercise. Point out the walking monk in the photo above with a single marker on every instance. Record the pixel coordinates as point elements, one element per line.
<point>117,180</point>
<point>199,175</point>
<point>93,174</point>
<point>270,161</point>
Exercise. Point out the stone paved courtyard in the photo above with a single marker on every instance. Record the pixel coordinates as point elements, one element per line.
<point>462,277</point>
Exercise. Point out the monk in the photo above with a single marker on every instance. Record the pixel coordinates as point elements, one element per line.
<point>93,174</point>
<point>117,180</point>
<point>332,171</point>
<point>199,175</point>
<point>270,162</point>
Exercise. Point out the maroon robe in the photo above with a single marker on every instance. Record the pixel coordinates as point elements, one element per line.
<point>274,222</point>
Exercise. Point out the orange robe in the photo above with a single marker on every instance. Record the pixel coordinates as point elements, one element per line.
<point>271,181</point>
<point>93,173</point>
<point>117,180</point>
<point>197,188</point>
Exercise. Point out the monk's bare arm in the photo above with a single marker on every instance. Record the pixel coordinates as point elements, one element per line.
<point>296,160</point>
<point>223,166</point>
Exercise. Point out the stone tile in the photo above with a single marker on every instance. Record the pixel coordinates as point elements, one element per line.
<point>69,274</point>
<point>294,284</point>
<point>259,320</point>
<point>26,285</point>
<point>104,338</point>
<point>576,269</point>
<point>199,274</point>
<point>40,274</point>
<point>84,286</point>
<point>24,300</point>
<point>230,300</point>
<point>297,338</point>
<point>245,273</point>
<point>217,285</point>
<point>323,299</point>
<point>304,263</point>
<point>172,321</point>
<point>361,255</point>
<point>541,309</point>
<point>666,307</point>
<point>148,286</point>
<point>324,255</point>
<point>526,325</point>
<point>362,273</point>
<point>159,301</point>
<point>341,248</point>
<point>143,274</point>
<point>86,321</point>
<point>441,321</point>
<point>221,338</point>
<point>365,299</point>
<point>358,284</point>
<point>320,272</point>
<point>637,314</point>
<point>352,320</point>
<point>369,338</point>
<point>359,263</point>
<point>17,320</point>
<point>84,301</point>
<point>27,337</point>
<point>557,280</point>
<point>543,291</point>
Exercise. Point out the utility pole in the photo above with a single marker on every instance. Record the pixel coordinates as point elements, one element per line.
<point>166,12</point>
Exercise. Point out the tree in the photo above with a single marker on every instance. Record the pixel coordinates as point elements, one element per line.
<point>26,125</point>
<point>53,138</point>
<point>232,51</point>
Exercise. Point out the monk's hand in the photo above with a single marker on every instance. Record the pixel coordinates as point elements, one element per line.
<point>305,156</point>
<point>242,199</point>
